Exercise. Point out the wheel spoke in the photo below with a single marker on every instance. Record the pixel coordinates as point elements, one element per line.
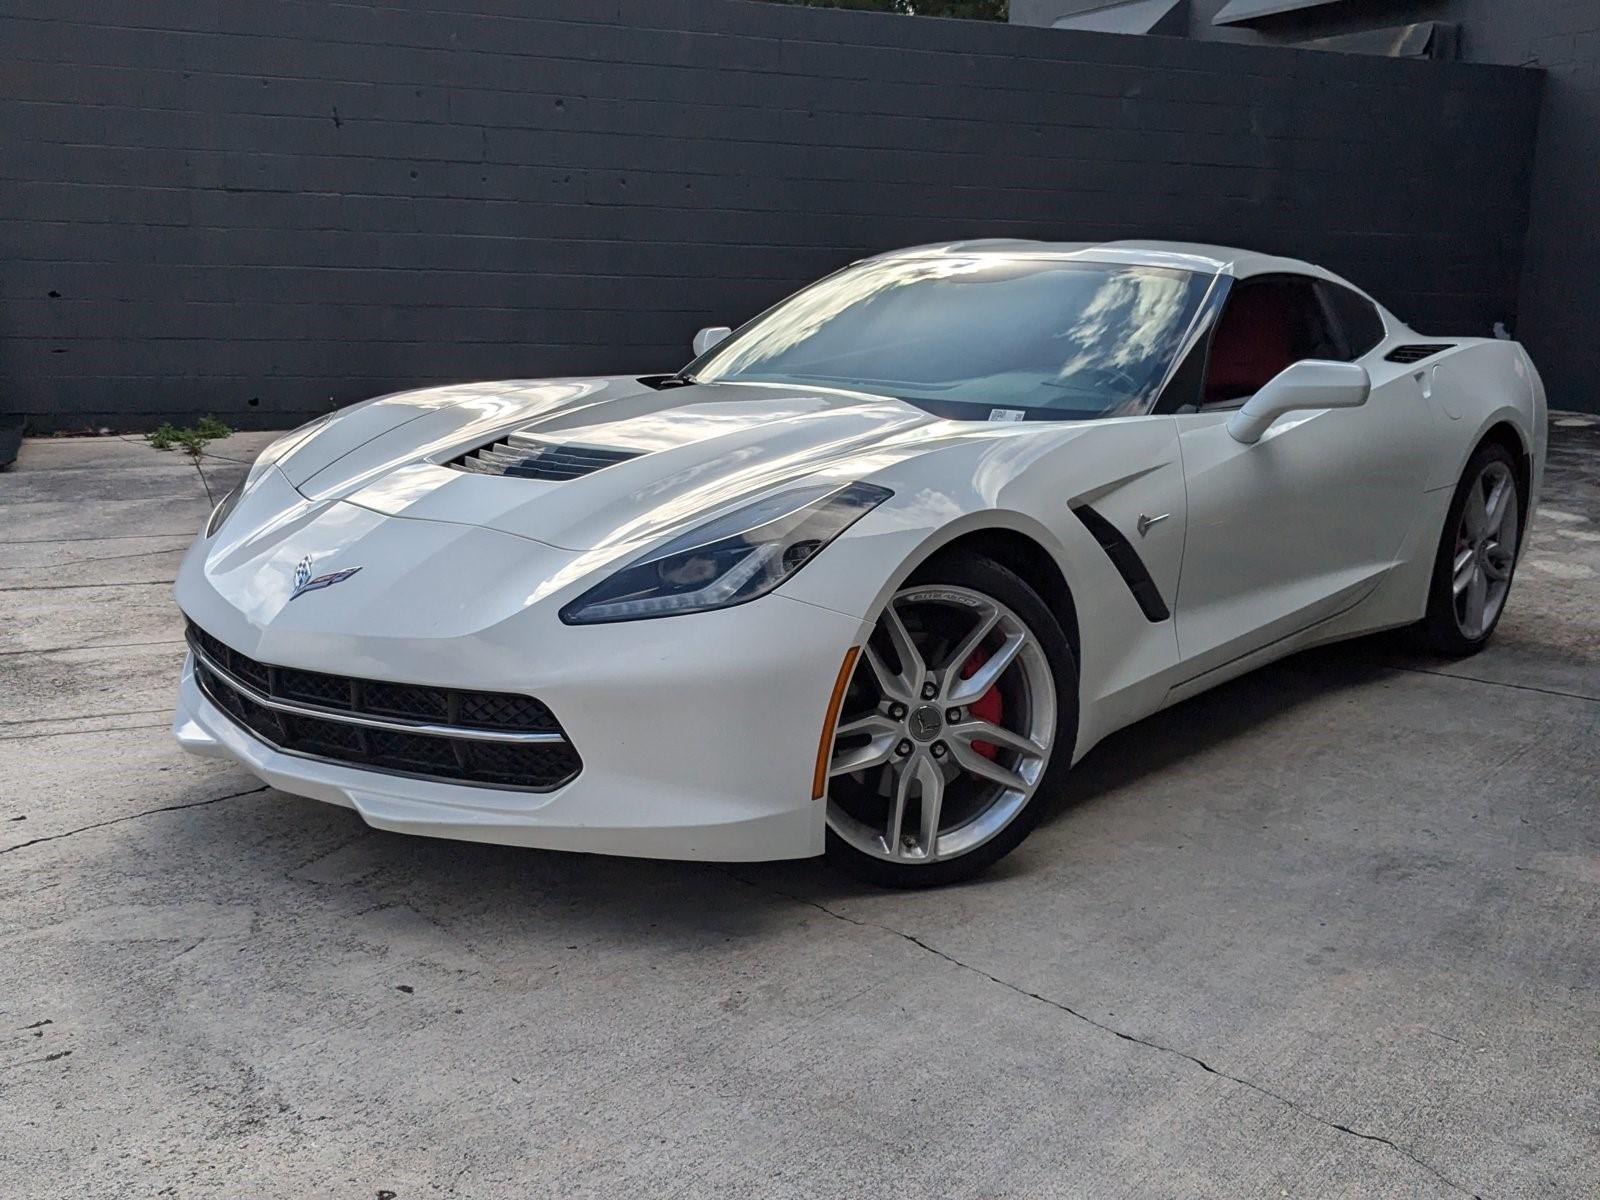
<point>970,731</point>
<point>970,643</point>
<point>974,763</point>
<point>904,775</point>
<point>1462,573</point>
<point>1477,602</point>
<point>932,780</point>
<point>1497,505</point>
<point>1475,516</point>
<point>873,754</point>
<point>960,691</point>
<point>883,732</point>
<point>913,671</point>
<point>873,723</point>
<point>889,683</point>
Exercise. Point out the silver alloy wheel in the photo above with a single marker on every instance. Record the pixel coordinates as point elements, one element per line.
<point>948,780</point>
<point>1486,550</point>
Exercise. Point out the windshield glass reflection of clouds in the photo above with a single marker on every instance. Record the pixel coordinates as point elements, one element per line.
<point>1074,339</point>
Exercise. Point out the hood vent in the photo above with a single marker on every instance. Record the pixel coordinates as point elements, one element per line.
<point>1415,354</point>
<point>525,457</point>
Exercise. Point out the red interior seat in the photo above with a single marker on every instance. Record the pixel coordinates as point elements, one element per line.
<point>1253,343</point>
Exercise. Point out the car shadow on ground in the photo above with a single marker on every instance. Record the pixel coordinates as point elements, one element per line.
<point>1224,714</point>
<point>285,849</point>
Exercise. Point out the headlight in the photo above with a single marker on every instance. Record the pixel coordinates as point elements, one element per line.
<point>736,557</point>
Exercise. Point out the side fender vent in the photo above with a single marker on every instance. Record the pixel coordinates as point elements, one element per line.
<point>1415,354</point>
<point>525,457</point>
<point>1127,562</point>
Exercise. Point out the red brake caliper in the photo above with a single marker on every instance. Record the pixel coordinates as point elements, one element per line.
<point>987,707</point>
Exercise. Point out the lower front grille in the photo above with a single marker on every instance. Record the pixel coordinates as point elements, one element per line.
<point>495,740</point>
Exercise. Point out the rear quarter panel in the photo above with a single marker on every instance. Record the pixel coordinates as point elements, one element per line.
<point>1479,384</point>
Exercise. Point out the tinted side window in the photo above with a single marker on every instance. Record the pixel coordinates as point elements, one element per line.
<point>1357,318</point>
<point>1268,324</point>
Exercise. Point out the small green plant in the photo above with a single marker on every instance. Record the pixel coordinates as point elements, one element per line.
<point>164,436</point>
<point>209,427</point>
<point>193,438</point>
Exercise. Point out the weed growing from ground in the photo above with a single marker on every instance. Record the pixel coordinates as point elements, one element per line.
<point>193,438</point>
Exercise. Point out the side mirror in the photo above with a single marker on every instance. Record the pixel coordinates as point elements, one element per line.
<point>709,337</point>
<point>1312,383</point>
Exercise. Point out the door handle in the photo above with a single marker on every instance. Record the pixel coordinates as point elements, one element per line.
<point>1144,523</point>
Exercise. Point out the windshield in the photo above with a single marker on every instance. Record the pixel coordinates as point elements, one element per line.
<point>1036,337</point>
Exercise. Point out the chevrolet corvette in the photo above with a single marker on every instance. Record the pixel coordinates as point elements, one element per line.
<point>870,573</point>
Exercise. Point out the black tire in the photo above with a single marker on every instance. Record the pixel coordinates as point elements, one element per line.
<point>1000,583</point>
<point>1440,631</point>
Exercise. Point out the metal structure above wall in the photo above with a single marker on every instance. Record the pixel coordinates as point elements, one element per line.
<point>1424,39</point>
<point>1129,16</point>
<point>1239,12</point>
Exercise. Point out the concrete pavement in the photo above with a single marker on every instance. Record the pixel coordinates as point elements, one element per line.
<point>1332,930</point>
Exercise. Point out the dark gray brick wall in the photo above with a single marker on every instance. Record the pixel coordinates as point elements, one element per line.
<point>263,210</point>
<point>1560,295</point>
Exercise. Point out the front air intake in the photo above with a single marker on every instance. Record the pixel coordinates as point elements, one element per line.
<point>486,739</point>
<point>523,456</point>
<point>1415,354</point>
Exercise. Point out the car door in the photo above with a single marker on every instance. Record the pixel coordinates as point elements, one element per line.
<point>1296,528</point>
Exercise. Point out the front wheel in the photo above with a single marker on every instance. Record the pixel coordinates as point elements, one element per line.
<point>1477,555</point>
<point>961,715</point>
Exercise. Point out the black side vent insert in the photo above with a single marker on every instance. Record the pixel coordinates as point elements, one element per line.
<point>1415,354</point>
<point>1127,562</point>
<point>526,457</point>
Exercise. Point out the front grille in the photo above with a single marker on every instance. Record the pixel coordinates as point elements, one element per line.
<point>493,739</point>
<point>523,456</point>
<point>313,687</point>
<point>1415,354</point>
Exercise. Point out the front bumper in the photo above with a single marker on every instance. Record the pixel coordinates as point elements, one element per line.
<point>698,733</point>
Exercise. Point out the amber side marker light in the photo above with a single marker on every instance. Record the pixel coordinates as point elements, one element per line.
<point>819,780</point>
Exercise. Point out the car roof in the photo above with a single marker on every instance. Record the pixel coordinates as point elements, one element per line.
<point>1189,256</point>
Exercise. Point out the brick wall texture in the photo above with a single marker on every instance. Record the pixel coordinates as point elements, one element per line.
<point>1559,300</point>
<point>266,210</point>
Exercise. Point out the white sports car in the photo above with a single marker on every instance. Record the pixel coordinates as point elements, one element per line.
<point>868,575</point>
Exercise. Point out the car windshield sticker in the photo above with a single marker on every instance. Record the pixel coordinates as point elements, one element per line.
<point>1007,414</point>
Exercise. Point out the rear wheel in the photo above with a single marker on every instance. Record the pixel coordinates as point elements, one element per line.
<point>961,714</point>
<point>1477,555</point>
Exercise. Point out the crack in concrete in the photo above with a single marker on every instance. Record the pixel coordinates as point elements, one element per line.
<point>82,646</point>
<point>127,712</point>
<point>30,1062</point>
<point>150,812</point>
<point>78,562</point>
<point>204,482</point>
<point>92,537</point>
<point>1519,687</point>
<point>1288,1103</point>
<point>59,587</point>
<point>51,733</point>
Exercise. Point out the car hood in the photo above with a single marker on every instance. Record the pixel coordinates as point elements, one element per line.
<point>695,448</point>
